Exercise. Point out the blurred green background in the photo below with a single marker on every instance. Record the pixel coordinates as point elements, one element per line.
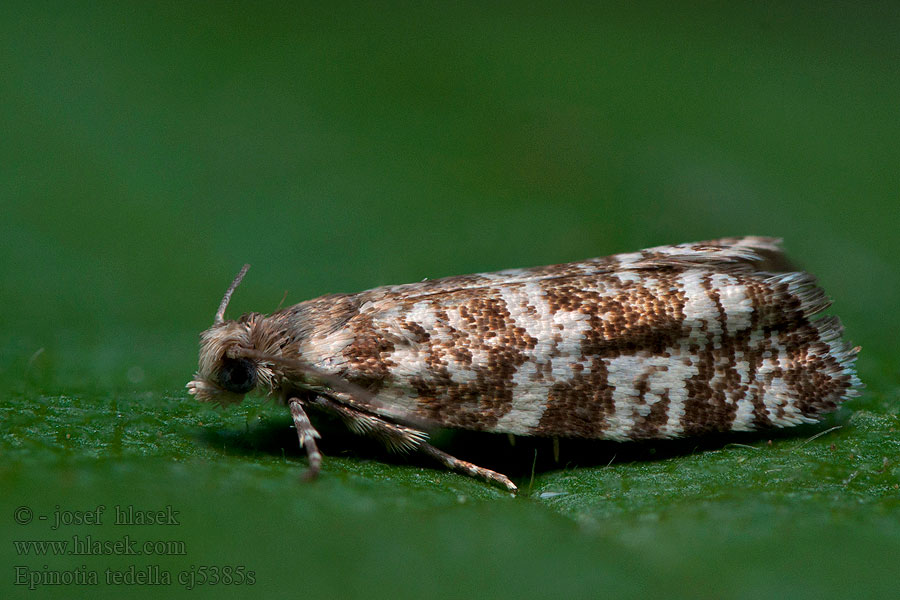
<point>149,149</point>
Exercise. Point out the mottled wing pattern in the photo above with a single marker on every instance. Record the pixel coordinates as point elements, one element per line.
<point>724,253</point>
<point>670,341</point>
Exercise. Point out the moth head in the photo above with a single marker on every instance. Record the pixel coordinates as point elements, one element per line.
<point>226,373</point>
<point>238,357</point>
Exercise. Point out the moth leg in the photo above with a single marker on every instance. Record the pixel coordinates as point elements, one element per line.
<point>397,438</point>
<point>467,468</point>
<point>307,434</point>
<point>400,438</point>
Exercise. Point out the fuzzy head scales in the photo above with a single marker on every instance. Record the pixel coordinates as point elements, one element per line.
<point>225,374</point>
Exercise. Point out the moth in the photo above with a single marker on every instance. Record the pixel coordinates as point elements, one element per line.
<point>671,341</point>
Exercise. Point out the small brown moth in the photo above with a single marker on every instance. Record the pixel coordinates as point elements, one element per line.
<point>667,342</point>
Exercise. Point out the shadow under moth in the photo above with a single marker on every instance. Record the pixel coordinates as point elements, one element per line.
<point>667,342</point>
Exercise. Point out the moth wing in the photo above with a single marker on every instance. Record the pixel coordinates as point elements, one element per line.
<point>762,254</point>
<point>675,343</point>
<point>750,253</point>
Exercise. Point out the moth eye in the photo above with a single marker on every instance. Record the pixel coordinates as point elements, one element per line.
<point>237,375</point>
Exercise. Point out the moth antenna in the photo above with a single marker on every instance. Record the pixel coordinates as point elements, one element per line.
<point>361,396</point>
<point>220,314</point>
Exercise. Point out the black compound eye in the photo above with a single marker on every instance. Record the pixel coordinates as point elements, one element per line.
<point>237,375</point>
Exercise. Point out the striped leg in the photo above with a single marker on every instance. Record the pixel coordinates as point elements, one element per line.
<point>404,439</point>
<point>307,434</point>
<point>397,438</point>
<point>467,468</point>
